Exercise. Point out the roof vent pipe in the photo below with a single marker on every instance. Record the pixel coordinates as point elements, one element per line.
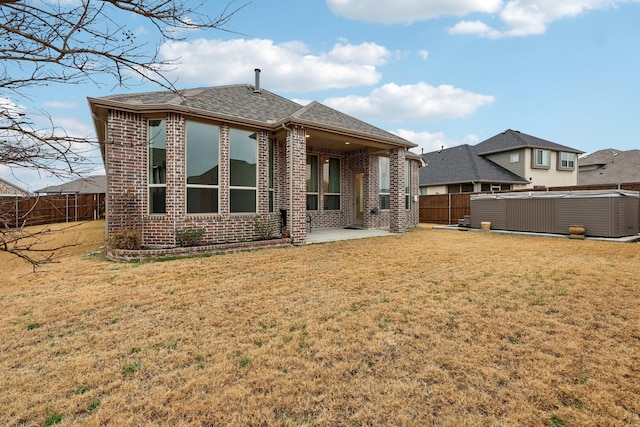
<point>256,88</point>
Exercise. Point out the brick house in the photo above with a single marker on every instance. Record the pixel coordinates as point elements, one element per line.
<point>230,157</point>
<point>8,189</point>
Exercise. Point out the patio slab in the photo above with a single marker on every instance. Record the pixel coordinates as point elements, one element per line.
<point>323,235</point>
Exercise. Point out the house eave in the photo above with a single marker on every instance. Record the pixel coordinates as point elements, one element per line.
<point>519,147</point>
<point>100,106</point>
<point>378,142</point>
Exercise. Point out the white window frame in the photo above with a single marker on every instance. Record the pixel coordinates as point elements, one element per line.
<point>150,170</point>
<point>545,162</point>
<point>204,186</point>
<point>311,177</point>
<point>253,188</point>
<point>324,179</point>
<point>381,193</point>
<point>566,161</point>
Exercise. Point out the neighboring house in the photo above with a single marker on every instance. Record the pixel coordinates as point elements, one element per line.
<point>89,185</point>
<point>229,158</point>
<point>609,166</point>
<point>508,161</point>
<point>8,189</point>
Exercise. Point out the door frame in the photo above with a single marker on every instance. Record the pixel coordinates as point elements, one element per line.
<point>358,199</point>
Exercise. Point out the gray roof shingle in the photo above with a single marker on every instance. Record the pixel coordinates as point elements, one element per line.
<point>89,185</point>
<point>462,164</point>
<point>233,100</point>
<point>609,166</point>
<point>514,139</point>
<point>245,104</point>
<point>320,114</point>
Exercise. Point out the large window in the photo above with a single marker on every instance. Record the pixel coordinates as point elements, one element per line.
<point>331,183</point>
<point>243,171</point>
<point>567,161</point>
<point>407,184</point>
<point>384,183</point>
<point>157,166</point>
<point>272,151</point>
<point>203,146</point>
<point>312,182</point>
<point>541,159</point>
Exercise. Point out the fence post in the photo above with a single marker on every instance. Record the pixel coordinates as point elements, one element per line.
<point>449,209</point>
<point>76,207</point>
<point>17,212</point>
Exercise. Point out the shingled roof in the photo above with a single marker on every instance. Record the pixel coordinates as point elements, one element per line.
<point>89,185</point>
<point>514,139</point>
<point>463,164</point>
<point>609,166</point>
<point>244,104</point>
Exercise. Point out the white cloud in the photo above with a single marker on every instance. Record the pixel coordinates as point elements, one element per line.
<point>531,17</point>
<point>475,28</point>
<point>408,11</point>
<point>424,54</point>
<point>9,109</point>
<point>428,141</point>
<point>517,17</point>
<point>287,66</point>
<point>420,102</point>
<point>60,104</point>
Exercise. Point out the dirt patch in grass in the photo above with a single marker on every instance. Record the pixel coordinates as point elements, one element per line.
<point>432,327</point>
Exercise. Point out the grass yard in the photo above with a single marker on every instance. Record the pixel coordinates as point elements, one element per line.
<point>433,327</point>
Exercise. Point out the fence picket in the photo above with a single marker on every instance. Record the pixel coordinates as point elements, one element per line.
<point>41,210</point>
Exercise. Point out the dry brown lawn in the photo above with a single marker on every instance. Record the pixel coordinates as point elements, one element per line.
<point>432,327</point>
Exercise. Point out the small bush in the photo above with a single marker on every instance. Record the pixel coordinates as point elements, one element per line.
<point>190,236</point>
<point>265,228</point>
<point>126,239</point>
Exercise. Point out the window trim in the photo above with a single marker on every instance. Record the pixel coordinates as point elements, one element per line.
<point>534,159</point>
<point>272,173</point>
<point>407,185</point>
<point>186,168</point>
<point>151,185</point>
<point>381,194</point>
<point>561,167</point>
<point>241,187</point>
<point>311,178</point>
<point>327,160</point>
<point>514,158</point>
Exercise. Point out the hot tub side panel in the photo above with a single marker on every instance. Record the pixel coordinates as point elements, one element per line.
<point>536,215</point>
<point>490,210</point>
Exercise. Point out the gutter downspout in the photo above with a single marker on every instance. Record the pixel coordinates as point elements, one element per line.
<point>290,133</point>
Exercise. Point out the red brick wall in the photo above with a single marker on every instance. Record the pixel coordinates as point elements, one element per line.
<point>126,161</point>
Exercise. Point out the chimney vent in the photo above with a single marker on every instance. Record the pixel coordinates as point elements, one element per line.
<point>256,88</point>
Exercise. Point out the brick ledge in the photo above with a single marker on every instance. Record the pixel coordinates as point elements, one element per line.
<point>124,255</point>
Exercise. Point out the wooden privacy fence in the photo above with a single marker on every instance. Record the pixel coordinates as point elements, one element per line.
<point>449,208</point>
<point>18,211</point>
<point>444,208</point>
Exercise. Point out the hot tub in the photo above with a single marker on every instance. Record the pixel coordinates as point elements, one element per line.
<point>603,213</point>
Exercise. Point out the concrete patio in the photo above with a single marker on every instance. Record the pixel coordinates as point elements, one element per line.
<point>323,235</point>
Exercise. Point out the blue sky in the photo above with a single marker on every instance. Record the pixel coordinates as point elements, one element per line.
<point>439,73</point>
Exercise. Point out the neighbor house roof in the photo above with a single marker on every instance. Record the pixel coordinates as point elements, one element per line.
<point>9,189</point>
<point>88,185</point>
<point>243,104</point>
<point>514,139</point>
<point>463,164</point>
<point>609,166</point>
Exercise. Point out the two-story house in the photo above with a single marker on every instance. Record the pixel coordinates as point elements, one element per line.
<point>510,160</point>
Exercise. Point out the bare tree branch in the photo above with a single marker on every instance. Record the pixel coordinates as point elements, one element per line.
<point>54,42</point>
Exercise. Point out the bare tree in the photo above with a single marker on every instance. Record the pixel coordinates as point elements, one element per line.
<point>50,42</point>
